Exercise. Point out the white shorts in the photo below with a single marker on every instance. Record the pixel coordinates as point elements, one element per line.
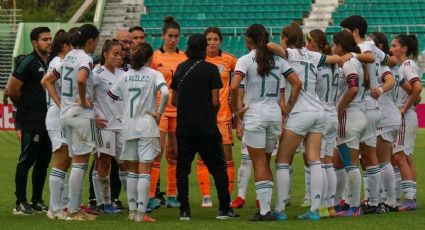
<point>109,142</point>
<point>262,134</point>
<point>329,135</point>
<point>373,117</point>
<point>57,137</point>
<point>303,122</point>
<point>144,149</point>
<point>80,135</point>
<point>351,128</point>
<point>407,134</point>
<point>388,133</point>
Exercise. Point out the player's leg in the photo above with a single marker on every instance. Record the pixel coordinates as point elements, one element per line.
<point>172,164</point>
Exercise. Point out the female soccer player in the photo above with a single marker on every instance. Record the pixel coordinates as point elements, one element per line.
<point>138,89</point>
<point>165,60</point>
<point>109,143</point>
<point>226,65</point>
<point>262,116</point>
<point>58,183</point>
<point>77,111</point>
<point>326,88</point>
<point>404,47</point>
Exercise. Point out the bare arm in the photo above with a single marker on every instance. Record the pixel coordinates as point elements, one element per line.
<point>215,100</point>
<point>234,87</point>
<point>48,82</point>
<point>276,49</point>
<point>416,92</point>
<point>347,98</point>
<point>295,91</point>
<point>14,89</point>
<point>389,83</point>
<point>82,84</point>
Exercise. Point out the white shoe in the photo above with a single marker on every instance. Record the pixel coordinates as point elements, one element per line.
<point>206,202</point>
<point>58,215</point>
<point>132,215</point>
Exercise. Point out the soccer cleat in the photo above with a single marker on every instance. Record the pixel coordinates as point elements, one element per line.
<point>237,203</point>
<point>160,198</point>
<point>332,212</point>
<point>407,205</point>
<point>353,211</point>
<point>57,215</point>
<point>118,204</point>
<point>309,215</point>
<point>267,217</point>
<point>132,215</point>
<point>92,204</point>
<point>324,213</point>
<point>306,203</point>
<point>184,215</point>
<point>39,207</point>
<point>90,211</point>
<point>227,215</point>
<point>23,208</point>
<point>342,206</point>
<point>80,215</point>
<point>141,217</point>
<point>383,208</point>
<point>279,216</point>
<point>369,209</point>
<point>206,202</point>
<point>172,203</point>
<point>109,209</point>
<point>153,204</point>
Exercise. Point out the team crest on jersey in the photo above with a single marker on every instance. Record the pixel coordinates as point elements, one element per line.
<point>108,145</point>
<point>220,67</point>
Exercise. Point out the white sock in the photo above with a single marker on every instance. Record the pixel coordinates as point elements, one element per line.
<point>397,184</point>
<point>65,193</point>
<point>104,184</point>
<point>132,182</point>
<point>143,192</point>
<point>414,189</point>
<point>123,179</point>
<point>56,180</point>
<point>282,186</point>
<point>341,184</point>
<point>354,185</point>
<point>264,190</point>
<point>307,180</point>
<point>96,188</point>
<point>388,182</point>
<point>316,184</point>
<point>365,186</point>
<point>291,172</point>
<point>76,178</point>
<point>330,174</point>
<point>408,189</point>
<point>244,173</point>
<point>373,180</point>
<point>324,194</point>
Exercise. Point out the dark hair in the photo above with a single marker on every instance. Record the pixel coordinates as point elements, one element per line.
<point>136,28</point>
<point>294,34</point>
<point>169,23</point>
<point>35,33</point>
<point>411,41</point>
<point>83,34</point>
<point>73,29</point>
<point>142,54</point>
<point>319,37</point>
<point>348,44</point>
<point>107,47</point>
<point>263,57</point>
<point>196,47</point>
<point>61,38</point>
<point>215,30</point>
<point>355,22</point>
<point>380,40</point>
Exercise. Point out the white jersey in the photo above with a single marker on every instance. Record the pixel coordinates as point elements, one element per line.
<point>352,70</point>
<point>327,86</point>
<point>409,71</point>
<point>400,94</point>
<point>103,79</point>
<point>75,60</point>
<point>138,90</point>
<point>390,113</point>
<point>53,112</point>
<point>262,93</point>
<point>305,64</point>
<point>380,57</point>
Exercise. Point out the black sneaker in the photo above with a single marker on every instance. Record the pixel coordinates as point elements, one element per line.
<point>118,204</point>
<point>369,209</point>
<point>227,215</point>
<point>259,217</point>
<point>184,215</point>
<point>39,207</point>
<point>92,204</point>
<point>23,208</point>
<point>383,208</point>
<point>160,198</point>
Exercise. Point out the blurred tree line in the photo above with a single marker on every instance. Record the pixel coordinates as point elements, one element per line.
<point>48,10</point>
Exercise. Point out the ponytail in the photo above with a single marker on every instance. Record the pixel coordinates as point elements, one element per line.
<point>81,35</point>
<point>294,34</point>
<point>263,57</point>
<point>319,38</point>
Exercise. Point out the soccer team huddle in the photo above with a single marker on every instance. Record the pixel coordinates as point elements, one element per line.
<point>348,107</point>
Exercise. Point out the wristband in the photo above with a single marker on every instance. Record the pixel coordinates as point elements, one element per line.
<point>381,90</point>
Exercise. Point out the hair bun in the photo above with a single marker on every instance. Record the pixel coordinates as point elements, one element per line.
<point>168,19</point>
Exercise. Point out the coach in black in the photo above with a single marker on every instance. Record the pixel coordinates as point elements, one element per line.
<point>196,86</point>
<point>28,95</point>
